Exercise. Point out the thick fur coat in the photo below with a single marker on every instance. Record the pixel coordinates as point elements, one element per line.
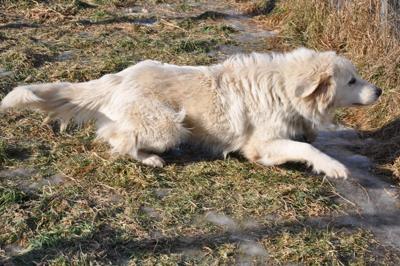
<point>258,104</point>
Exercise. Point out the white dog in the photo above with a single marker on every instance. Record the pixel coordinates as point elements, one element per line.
<point>258,104</point>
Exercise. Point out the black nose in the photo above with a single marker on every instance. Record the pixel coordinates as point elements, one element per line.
<point>378,92</point>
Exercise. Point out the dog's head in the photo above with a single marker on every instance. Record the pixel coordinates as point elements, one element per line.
<point>324,81</point>
<point>351,89</point>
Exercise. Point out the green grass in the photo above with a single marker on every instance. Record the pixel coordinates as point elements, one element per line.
<point>9,196</point>
<point>115,210</point>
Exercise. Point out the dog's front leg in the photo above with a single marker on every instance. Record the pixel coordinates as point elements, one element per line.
<point>280,151</point>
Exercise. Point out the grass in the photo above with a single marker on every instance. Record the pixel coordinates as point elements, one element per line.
<point>64,200</point>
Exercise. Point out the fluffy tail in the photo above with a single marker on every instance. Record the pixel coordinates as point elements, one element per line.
<point>62,101</point>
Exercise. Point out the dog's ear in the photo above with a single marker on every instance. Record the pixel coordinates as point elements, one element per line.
<point>321,92</point>
<point>319,79</point>
<point>314,86</point>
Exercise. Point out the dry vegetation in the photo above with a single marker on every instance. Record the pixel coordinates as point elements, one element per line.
<point>65,201</point>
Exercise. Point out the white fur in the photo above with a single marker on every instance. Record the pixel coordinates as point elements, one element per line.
<point>258,104</point>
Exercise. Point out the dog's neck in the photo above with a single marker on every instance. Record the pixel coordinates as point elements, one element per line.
<point>308,110</point>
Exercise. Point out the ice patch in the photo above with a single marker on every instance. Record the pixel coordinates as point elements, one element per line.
<point>54,180</point>
<point>162,192</point>
<point>17,172</point>
<point>152,213</point>
<point>4,73</point>
<point>221,220</point>
<point>253,249</point>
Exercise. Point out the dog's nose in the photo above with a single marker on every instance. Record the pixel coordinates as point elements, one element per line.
<point>378,92</point>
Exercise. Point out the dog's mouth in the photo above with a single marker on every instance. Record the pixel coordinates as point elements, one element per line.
<point>363,104</point>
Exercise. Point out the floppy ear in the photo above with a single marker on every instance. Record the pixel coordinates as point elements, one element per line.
<point>314,87</point>
<point>321,93</point>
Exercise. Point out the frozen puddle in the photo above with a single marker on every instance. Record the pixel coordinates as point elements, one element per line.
<point>248,36</point>
<point>4,73</point>
<point>248,247</point>
<point>53,180</point>
<point>16,173</point>
<point>375,201</point>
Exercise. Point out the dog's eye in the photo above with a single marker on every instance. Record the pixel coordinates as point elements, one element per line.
<point>352,81</point>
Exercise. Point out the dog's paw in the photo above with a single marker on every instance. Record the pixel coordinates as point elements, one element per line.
<point>51,117</point>
<point>332,168</point>
<point>154,161</point>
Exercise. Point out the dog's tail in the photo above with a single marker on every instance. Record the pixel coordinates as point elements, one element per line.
<point>63,101</point>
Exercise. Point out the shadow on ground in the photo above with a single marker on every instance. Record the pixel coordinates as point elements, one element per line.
<point>108,241</point>
<point>386,149</point>
<point>19,25</point>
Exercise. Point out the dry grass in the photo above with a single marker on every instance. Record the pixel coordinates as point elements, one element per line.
<point>356,31</point>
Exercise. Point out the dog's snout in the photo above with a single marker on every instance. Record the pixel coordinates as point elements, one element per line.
<point>378,91</point>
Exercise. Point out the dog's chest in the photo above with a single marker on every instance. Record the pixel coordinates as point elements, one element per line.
<point>300,129</point>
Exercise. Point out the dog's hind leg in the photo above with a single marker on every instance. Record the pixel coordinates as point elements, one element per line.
<point>144,129</point>
<point>280,151</point>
